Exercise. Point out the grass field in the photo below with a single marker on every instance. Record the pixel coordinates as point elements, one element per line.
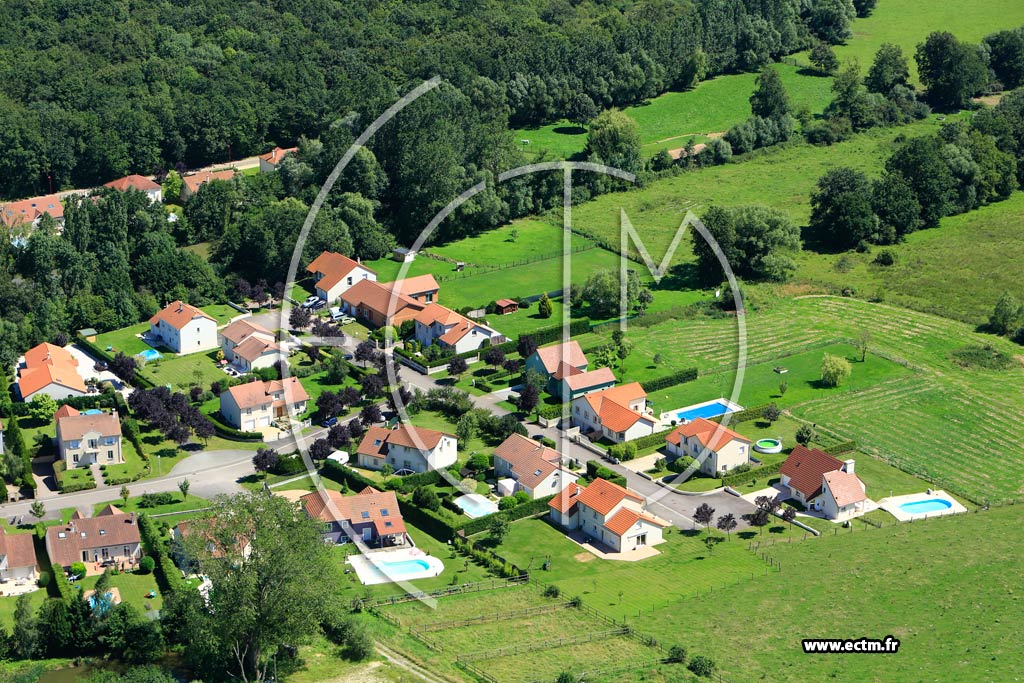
<point>191,503</point>
<point>666,121</point>
<point>948,580</point>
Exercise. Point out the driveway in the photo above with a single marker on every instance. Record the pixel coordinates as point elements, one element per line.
<point>86,363</point>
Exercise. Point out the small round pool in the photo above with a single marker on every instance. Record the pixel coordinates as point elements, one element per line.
<point>768,445</point>
<point>923,507</point>
<point>151,354</point>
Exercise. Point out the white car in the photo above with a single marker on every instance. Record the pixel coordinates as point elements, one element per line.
<point>310,301</point>
<point>346,320</point>
<point>336,314</point>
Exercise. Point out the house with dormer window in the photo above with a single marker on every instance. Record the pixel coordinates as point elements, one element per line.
<point>110,537</point>
<point>370,516</point>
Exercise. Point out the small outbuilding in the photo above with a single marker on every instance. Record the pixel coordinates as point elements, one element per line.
<point>506,306</point>
<point>403,254</point>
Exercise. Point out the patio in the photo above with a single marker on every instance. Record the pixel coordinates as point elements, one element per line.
<point>605,552</point>
<point>17,587</point>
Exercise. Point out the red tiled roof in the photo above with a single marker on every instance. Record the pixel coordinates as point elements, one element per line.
<point>415,285</point>
<point>376,297</point>
<point>260,393</point>
<point>74,427</point>
<point>254,347</point>
<point>846,487</point>
<point>65,411</point>
<point>334,267</point>
<point>502,303</point>
<point>377,439</point>
<point>48,364</point>
<point>805,468</point>
<point>27,210</point>
<point>237,331</point>
<point>177,314</point>
<point>275,155</point>
<point>436,313</point>
<point>623,520</point>
<point>612,406</point>
<point>18,549</point>
<point>710,434</point>
<point>109,528</point>
<point>593,378</point>
<point>530,461</point>
<point>133,182</point>
<point>565,501</point>
<point>602,495</point>
<point>552,356</point>
<point>368,506</point>
<point>194,181</point>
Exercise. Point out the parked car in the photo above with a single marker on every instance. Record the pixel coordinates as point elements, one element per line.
<point>101,366</point>
<point>329,422</point>
<point>318,304</point>
<point>348,356</point>
<point>336,314</point>
<point>347,320</point>
<point>310,300</point>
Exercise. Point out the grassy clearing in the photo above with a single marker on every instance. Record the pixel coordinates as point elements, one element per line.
<point>222,313</point>
<point>124,340</point>
<point>183,371</point>
<point>546,665</point>
<point>667,121</point>
<point>180,505</point>
<point>948,580</point>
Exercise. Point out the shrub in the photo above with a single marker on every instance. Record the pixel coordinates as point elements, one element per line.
<point>702,666</point>
<point>152,500</point>
<point>886,257</point>
<point>552,591</point>
<point>506,503</point>
<point>78,568</point>
<point>681,463</point>
<point>44,579</point>
<point>834,370</point>
<point>680,377</point>
<point>146,565</point>
<point>677,654</point>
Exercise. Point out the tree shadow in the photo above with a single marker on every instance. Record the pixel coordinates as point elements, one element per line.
<point>808,71</point>
<point>569,130</point>
<point>746,535</point>
<point>777,530</point>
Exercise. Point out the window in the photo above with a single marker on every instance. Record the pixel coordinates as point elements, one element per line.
<point>103,532</point>
<point>126,551</point>
<point>365,514</point>
<point>349,281</point>
<point>74,458</point>
<point>92,443</point>
<point>383,512</point>
<point>110,455</point>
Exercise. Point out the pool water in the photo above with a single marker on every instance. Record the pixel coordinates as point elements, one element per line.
<point>404,567</point>
<point>922,507</point>
<point>151,354</point>
<point>713,409</point>
<point>475,505</point>
<point>92,411</point>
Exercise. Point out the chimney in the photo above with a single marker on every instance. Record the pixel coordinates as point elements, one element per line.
<point>181,307</point>
<point>848,466</point>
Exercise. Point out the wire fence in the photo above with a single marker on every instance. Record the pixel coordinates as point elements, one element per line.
<point>473,270</point>
<point>545,644</point>
<point>490,584</point>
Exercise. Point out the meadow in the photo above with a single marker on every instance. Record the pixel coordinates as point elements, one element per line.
<point>947,588</point>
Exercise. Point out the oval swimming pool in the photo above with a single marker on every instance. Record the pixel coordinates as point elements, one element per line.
<point>404,567</point>
<point>923,507</point>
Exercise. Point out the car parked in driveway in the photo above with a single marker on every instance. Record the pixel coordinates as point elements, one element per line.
<point>310,300</point>
<point>329,422</point>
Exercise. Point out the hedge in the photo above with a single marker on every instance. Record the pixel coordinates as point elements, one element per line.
<point>655,439</point>
<point>233,434</point>
<point>751,475</point>
<point>546,335</point>
<point>168,577</point>
<point>745,415</point>
<point>681,377</point>
<point>335,471</point>
<point>138,380</point>
<point>59,467</point>
<point>15,442</point>
<point>841,447</point>
<point>597,470</point>
<point>488,558</point>
<point>440,525</point>
<point>507,347</point>
<point>550,412</point>
<point>527,509</point>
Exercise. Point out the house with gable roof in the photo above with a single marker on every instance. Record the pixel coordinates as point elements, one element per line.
<point>565,367</point>
<point>824,483</point>
<point>87,438</point>
<point>334,274</point>
<point>535,468</point>
<point>257,404</point>
<point>183,328</point>
<point>617,414</point>
<point>17,557</point>
<point>110,536</point>
<point>190,184</point>
<point>249,346</point>
<point>139,183</point>
<point>607,513</point>
<point>272,159</point>
<point>29,212</point>
<point>439,325</point>
<point>371,516</point>
<point>407,448</point>
<point>726,450</point>
<point>51,370</point>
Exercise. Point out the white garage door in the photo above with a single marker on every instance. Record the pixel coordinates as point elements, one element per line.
<point>248,426</point>
<point>263,421</point>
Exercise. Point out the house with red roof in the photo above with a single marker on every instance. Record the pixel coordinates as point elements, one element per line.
<point>823,483</point>
<point>407,448</point>
<point>334,274</point>
<point>534,467</point>
<point>28,212</point>
<point>87,438</point>
<point>190,184</point>
<point>52,370</point>
<point>376,304</point>
<point>565,367</point>
<point>257,404</point>
<point>110,536</point>
<point>617,414</point>
<point>138,183</point>
<point>183,328</point>
<point>249,346</point>
<point>608,514</point>
<point>719,449</point>
<point>17,557</point>
<point>270,161</point>
<point>439,325</point>
<point>370,516</point>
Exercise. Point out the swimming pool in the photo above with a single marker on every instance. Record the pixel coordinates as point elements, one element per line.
<point>475,505</point>
<point>923,507</point>
<point>706,410</point>
<point>395,565</point>
<point>151,354</point>
<point>92,411</point>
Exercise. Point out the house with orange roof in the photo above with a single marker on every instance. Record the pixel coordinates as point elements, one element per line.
<point>376,304</point>
<point>51,370</point>
<point>534,467</point>
<point>370,516</point>
<point>17,557</point>
<point>87,438</point>
<point>110,536</point>
<point>617,414</point>
<point>823,483</point>
<point>190,184</point>
<point>249,346</point>
<point>183,328</point>
<point>407,448</point>
<point>334,273</point>
<point>421,288</point>
<point>270,161</point>
<point>719,449</point>
<point>28,212</point>
<point>607,513</point>
<point>439,325</point>
<point>257,404</point>
<point>139,183</point>
<point>565,367</point>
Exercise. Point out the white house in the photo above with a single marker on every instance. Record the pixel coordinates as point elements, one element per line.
<point>535,468</point>
<point>824,483</point>
<point>257,404</point>
<point>607,513</point>
<point>270,161</point>
<point>617,414</point>
<point>183,328</point>
<point>109,536</point>
<point>140,183</point>
<point>407,448</point>
<point>51,370</point>
<point>249,346</point>
<point>87,438</point>
<point>17,557</point>
<point>439,325</point>
<point>334,274</point>
<point>726,449</point>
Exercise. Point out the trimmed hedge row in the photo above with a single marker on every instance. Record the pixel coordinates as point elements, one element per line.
<point>59,468</point>
<point>138,380</point>
<point>745,415</point>
<point>841,447</point>
<point>167,575</point>
<point>751,475</point>
<point>335,471</point>
<point>654,439</point>
<point>546,335</point>
<point>681,377</point>
<point>527,509</point>
<point>233,434</point>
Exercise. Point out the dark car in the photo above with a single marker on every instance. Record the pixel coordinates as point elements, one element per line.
<point>101,366</point>
<point>329,422</point>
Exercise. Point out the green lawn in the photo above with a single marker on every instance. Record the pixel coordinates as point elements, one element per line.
<point>193,502</point>
<point>124,340</point>
<point>431,420</point>
<point>947,580</point>
<point>182,372</point>
<point>666,121</point>
<point>222,313</point>
<point>133,589</point>
<point>507,244</point>
<point>133,463</point>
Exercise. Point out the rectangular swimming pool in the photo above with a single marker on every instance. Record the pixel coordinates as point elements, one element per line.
<point>707,410</point>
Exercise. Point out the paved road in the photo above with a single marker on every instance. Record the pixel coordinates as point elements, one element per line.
<point>210,473</point>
